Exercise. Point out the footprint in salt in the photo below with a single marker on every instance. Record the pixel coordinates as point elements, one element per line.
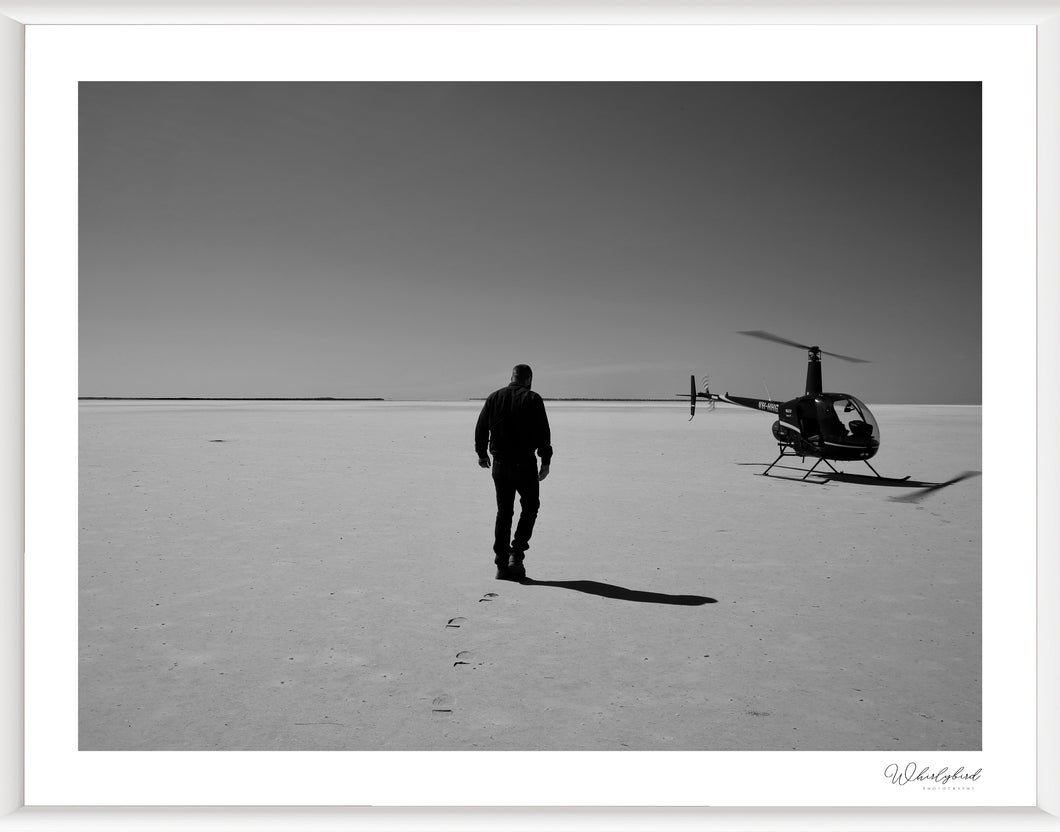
<point>465,657</point>
<point>442,704</point>
<point>456,622</point>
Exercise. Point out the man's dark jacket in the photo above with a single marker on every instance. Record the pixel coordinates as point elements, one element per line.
<point>513,420</point>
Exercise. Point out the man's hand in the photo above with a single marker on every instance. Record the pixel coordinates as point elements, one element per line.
<point>483,462</point>
<point>543,473</point>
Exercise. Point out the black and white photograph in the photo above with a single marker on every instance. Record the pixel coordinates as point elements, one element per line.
<point>530,416</point>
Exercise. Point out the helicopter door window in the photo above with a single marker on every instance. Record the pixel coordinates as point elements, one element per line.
<point>852,419</point>
<point>831,425</point>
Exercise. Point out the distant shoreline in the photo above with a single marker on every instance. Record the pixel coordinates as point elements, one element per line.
<point>227,399</point>
<point>397,401</point>
<point>318,399</point>
<point>582,399</point>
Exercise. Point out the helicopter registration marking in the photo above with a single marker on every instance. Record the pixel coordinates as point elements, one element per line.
<point>772,408</point>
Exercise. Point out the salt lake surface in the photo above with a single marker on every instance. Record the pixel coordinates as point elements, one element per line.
<point>273,575</point>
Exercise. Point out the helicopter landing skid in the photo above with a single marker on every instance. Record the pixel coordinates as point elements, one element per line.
<point>785,452</point>
<point>813,470</point>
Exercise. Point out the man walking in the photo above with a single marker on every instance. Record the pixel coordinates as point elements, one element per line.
<point>513,425</point>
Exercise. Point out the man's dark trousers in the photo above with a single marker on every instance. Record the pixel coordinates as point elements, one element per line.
<point>511,478</point>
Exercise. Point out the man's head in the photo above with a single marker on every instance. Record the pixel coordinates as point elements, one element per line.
<point>522,374</point>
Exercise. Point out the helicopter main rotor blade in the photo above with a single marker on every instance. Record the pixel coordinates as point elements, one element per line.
<point>845,357</point>
<point>769,336</point>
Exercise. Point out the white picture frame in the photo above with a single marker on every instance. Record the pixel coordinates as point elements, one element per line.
<point>679,814</point>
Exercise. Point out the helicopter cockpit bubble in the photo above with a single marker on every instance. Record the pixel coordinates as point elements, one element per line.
<point>847,419</point>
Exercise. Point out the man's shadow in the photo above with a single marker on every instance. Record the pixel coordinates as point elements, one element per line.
<point>623,594</point>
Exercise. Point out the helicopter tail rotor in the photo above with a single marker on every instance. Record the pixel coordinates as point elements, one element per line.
<point>694,394</point>
<point>706,394</point>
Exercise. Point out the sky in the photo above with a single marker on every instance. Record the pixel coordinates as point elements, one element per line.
<point>416,240</point>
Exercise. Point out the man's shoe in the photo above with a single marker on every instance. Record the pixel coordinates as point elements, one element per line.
<point>516,570</point>
<point>502,569</point>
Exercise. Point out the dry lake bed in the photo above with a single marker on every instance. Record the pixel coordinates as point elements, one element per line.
<point>315,576</point>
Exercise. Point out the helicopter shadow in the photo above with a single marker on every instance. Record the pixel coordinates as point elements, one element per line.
<point>929,488</point>
<point>878,482</point>
<point>620,593</point>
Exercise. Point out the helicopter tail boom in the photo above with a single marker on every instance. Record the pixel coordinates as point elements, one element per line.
<point>755,404</point>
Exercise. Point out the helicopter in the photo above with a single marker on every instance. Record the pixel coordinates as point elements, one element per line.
<point>827,426</point>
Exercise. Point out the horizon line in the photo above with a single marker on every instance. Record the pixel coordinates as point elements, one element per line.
<point>468,399</point>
